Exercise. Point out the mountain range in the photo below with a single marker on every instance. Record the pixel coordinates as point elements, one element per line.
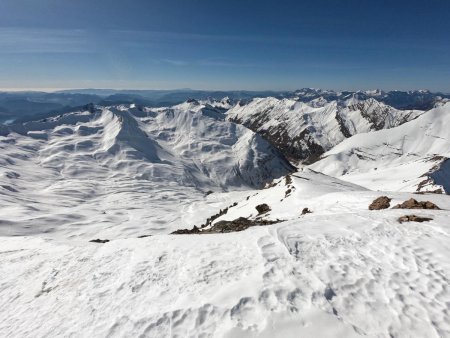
<point>228,214</point>
<point>16,105</point>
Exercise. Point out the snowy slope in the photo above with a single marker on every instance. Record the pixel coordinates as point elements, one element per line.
<point>132,175</point>
<point>341,271</point>
<point>410,157</point>
<point>305,130</point>
<point>404,100</point>
<point>96,173</point>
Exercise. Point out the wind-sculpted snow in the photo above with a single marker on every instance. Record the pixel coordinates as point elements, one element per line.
<point>341,270</point>
<point>410,157</point>
<point>305,130</point>
<point>104,173</point>
<point>88,200</point>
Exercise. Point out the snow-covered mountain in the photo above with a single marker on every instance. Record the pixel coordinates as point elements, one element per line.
<point>413,99</point>
<point>305,130</point>
<point>122,157</point>
<point>410,157</point>
<point>127,220</point>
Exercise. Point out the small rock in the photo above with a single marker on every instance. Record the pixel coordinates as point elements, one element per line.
<point>414,218</point>
<point>288,179</point>
<point>262,208</point>
<point>98,240</point>
<point>306,211</point>
<point>380,203</point>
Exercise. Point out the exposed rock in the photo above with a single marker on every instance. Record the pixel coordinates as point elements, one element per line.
<point>436,191</point>
<point>238,224</point>
<point>413,204</point>
<point>288,179</point>
<point>306,211</point>
<point>270,185</point>
<point>414,218</point>
<point>379,203</point>
<point>262,208</point>
<point>194,230</point>
<point>98,240</point>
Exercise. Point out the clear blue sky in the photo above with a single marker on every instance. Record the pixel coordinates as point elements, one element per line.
<point>208,44</point>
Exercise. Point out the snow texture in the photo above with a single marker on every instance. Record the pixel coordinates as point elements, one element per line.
<point>133,175</point>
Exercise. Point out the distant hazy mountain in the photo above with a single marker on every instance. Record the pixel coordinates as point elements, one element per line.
<point>17,105</point>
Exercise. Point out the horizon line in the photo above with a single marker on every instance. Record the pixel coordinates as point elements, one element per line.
<point>55,90</point>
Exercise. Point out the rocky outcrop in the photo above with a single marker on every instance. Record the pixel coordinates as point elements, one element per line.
<point>380,203</point>
<point>262,208</point>
<point>414,204</point>
<point>239,224</point>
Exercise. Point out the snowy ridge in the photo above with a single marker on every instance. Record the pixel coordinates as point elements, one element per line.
<point>303,131</point>
<point>341,270</point>
<point>410,157</point>
<point>110,164</point>
<point>127,176</point>
<point>404,100</point>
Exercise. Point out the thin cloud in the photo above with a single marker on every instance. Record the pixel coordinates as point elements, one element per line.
<point>156,37</point>
<point>21,40</point>
<point>175,62</point>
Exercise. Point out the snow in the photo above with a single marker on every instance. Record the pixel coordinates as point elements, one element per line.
<point>295,124</point>
<point>341,271</point>
<point>394,159</point>
<point>111,174</point>
<point>124,172</point>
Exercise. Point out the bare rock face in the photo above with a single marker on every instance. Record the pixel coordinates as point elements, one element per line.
<point>380,203</point>
<point>413,204</point>
<point>262,208</point>
<point>414,218</point>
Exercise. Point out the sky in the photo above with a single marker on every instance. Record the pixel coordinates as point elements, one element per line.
<point>209,44</point>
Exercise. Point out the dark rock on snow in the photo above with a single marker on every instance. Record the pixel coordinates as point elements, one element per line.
<point>413,204</point>
<point>262,208</point>
<point>238,224</point>
<point>414,218</point>
<point>98,240</point>
<point>306,211</point>
<point>379,203</point>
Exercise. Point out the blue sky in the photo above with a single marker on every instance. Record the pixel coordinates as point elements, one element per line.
<point>208,44</point>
